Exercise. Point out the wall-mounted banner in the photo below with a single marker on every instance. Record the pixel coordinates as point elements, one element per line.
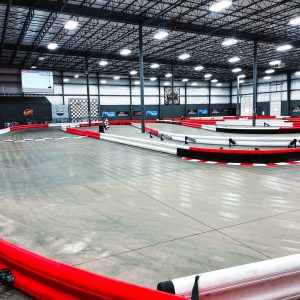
<point>137,113</point>
<point>296,109</point>
<point>109,114</point>
<point>224,110</point>
<point>191,112</point>
<point>123,113</point>
<point>151,113</point>
<point>60,111</point>
<point>202,111</point>
<point>169,98</point>
<point>215,111</point>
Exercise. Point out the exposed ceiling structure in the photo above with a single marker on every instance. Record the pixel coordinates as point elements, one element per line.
<point>107,26</point>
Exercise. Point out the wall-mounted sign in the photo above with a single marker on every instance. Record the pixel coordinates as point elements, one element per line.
<point>191,112</point>
<point>151,113</point>
<point>60,111</point>
<point>123,113</point>
<point>296,109</point>
<point>215,111</point>
<point>109,114</point>
<point>169,98</point>
<point>137,113</point>
<point>202,111</point>
<point>28,112</point>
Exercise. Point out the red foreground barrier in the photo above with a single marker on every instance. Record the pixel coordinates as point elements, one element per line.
<point>21,127</point>
<point>42,278</point>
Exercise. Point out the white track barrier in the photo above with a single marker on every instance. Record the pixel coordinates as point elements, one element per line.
<point>240,140</point>
<point>272,279</point>
<point>271,122</point>
<point>4,131</point>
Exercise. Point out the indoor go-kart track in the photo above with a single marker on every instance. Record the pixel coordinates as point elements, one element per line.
<point>138,215</point>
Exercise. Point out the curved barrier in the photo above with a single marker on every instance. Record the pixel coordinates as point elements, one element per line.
<point>258,130</point>
<point>277,278</point>
<point>43,278</point>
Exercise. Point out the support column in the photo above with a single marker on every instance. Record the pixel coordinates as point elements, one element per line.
<point>209,98</point>
<point>185,99</point>
<point>88,89</point>
<point>238,96</point>
<point>62,86</point>
<point>254,83</point>
<point>142,90</point>
<point>288,96</point>
<point>230,94</point>
<point>159,104</point>
<point>130,98</point>
<point>99,102</point>
<point>172,91</point>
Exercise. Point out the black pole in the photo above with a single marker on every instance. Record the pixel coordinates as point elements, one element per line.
<point>209,98</point>
<point>88,89</point>
<point>172,91</point>
<point>142,77</point>
<point>185,99</point>
<point>62,86</point>
<point>230,94</point>
<point>99,102</point>
<point>238,96</point>
<point>289,88</point>
<point>130,97</point>
<point>254,83</point>
<point>159,104</point>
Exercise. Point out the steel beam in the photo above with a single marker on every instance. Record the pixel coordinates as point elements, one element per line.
<point>254,83</point>
<point>6,21</point>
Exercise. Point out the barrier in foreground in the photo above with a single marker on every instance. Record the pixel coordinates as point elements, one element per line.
<point>43,278</point>
<point>272,279</point>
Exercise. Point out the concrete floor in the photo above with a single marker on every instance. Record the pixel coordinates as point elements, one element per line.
<point>138,215</point>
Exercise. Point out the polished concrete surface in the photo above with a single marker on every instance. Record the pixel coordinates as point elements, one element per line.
<point>138,215</point>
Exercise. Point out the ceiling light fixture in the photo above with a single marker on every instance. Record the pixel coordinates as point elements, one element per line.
<point>283,48</point>
<point>103,81</point>
<point>153,78</point>
<point>194,83</point>
<point>160,35</point>
<point>275,62</point>
<point>137,82</point>
<point>166,83</point>
<point>236,70</point>
<point>270,71</point>
<point>185,80</point>
<point>242,81</point>
<point>41,58</point>
<point>168,75</point>
<point>220,5</point>
<point>33,67</point>
<point>76,76</point>
<point>208,75</point>
<point>267,77</point>
<point>52,46</point>
<point>116,77</point>
<point>295,21</point>
<point>154,66</point>
<point>297,73</point>
<point>133,72</point>
<point>125,52</point>
<point>198,68</point>
<point>66,80</point>
<point>242,76</point>
<point>71,25</point>
<point>184,56</point>
<point>234,59</point>
<point>214,80</point>
<point>219,84</point>
<point>229,42</point>
<point>103,63</point>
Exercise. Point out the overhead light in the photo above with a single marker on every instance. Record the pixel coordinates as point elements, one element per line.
<point>133,72</point>
<point>137,82</point>
<point>76,76</point>
<point>154,66</point>
<point>66,80</point>
<point>71,25</point>
<point>185,80</point>
<point>229,42</point>
<point>184,56</point>
<point>242,76</point>
<point>125,51</point>
<point>297,73</point>
<point>220,5</point>
<point>153,78</point>
<point>267,77</point>
<point>285,47</point>
<point>242,81</point>
<point>295,21</point>
<point>270,71</point>
<point>198,68</point>
<point>52,46</point>
<point>41,58</point>
<point>275,62</point>
<point>234,59</point>
<point>208,75</point>
<point>103,81</point>
<point>194,83</point>
<point>219,84</point>
<point>236,70</point>
<point>166,83</point>
<point>116,77</point>
<point>214,80</point>
<point>160,35</point>
<point>168,75</point>
<point>103,63</point>
<point>33,67</point>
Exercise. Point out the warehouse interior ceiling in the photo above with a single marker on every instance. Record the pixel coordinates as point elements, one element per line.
<point>105,27</point>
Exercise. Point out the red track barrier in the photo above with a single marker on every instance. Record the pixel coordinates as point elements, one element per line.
<point>21,127</point>
<point>92,134</point>
<point>43,278</point>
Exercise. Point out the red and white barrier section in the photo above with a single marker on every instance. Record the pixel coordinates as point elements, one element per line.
<point>272,279</point>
